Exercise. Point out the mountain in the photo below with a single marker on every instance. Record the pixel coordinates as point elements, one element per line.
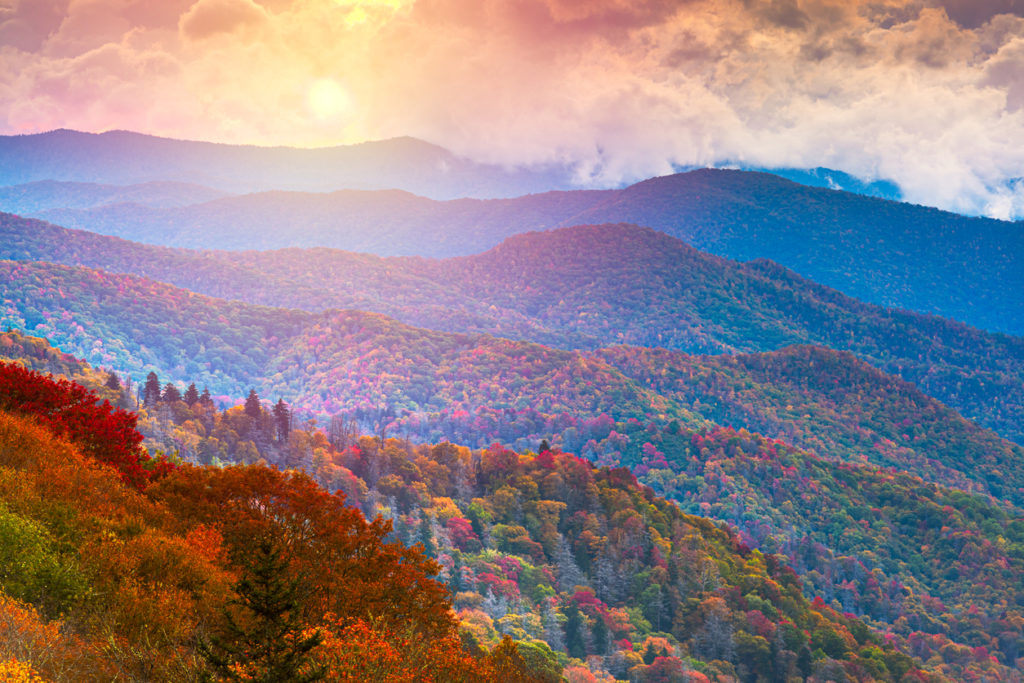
<point>476,389</point>
<point>573,288</point>
<point>41,195</point>
<point>836,180</point>
<point>126,158</point>
<point>880,251</point>
<point>358,220</point>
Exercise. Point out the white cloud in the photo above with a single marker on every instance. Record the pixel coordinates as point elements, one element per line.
<point>928,93</point>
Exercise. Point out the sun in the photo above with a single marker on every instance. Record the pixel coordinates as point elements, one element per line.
<point>328,100</point>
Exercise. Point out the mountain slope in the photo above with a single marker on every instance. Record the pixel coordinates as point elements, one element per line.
<point>41,195</point>
<point>476,389</point>
<point>382,221</point>
<point>577,288</point>
<point>881,251</point>
<point>527,528</point>
<point>126,158</point>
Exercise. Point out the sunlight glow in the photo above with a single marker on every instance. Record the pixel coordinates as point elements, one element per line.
<point>328,100</point>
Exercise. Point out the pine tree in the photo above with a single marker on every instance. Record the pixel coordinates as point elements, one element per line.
<point>575,641</point>
<point>263,637</point>
<point>151,392</point>
<point>191,395</point>
<point>252,405</point>
<point>171,394</point>
<point>205,399</point>
<point>282,419</point>
<point>113,382</point>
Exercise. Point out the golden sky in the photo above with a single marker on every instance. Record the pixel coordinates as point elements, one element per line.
<point>929,93</point>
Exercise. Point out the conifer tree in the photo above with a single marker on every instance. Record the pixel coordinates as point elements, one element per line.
<point>252,405</point>
<point>205,399</point>
<point>191,395</point>
<point>171,394</point>
<point>282,419</point>
<point>151,392</point>
<point>263,638</point>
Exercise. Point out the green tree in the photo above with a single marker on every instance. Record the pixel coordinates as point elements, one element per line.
<point>171,393</point>
<point>263,639</point>
<point>191,395</point>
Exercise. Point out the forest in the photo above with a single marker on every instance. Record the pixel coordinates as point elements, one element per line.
<point>570,289</point>
<point>541,567</point>
<point>539,546</point>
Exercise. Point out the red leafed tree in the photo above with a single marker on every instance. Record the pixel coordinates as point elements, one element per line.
<point>100,430</point>
<point>347,567</point>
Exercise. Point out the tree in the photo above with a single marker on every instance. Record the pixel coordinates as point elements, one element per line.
<point>252,405</point>
<point>101,431</point>
<point>112,382</point>
<point>191,395</point>
<point>151,392</point>
<point>204,399</point>
<point>282,419</point>
<point>264,638</point>
<point>171,393</point>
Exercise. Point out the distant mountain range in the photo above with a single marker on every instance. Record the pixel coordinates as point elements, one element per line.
<point>126,158</point>
<point>574,289</point>
<point>879,251</point>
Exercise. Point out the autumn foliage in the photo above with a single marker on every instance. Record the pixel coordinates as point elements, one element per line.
<point>100,430</point>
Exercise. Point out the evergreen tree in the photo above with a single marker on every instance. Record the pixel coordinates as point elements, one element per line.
<point>426,536</point>
<point>112,382</point>
<point>544,446</point>
<point>282,419</point>
<point>171,394</point>
<point>455,578</point>
<point>263,629</point>
<point>205,399</point>
<point>191,395</point>
<point>151,392</point>
<point>252,405</point>
<point>575,641</point>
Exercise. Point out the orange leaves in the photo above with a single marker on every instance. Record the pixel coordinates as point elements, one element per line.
<point>343,559</point>
<point>31,649</point>
<point>101,431</point>
<point>362,650</point>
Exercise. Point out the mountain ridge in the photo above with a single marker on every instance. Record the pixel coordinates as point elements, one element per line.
<point>880,251</point>
<point>667,294</point>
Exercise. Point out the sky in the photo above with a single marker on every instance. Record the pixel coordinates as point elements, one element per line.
<point>927,93</point>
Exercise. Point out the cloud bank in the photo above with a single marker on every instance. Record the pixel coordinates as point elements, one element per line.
<point>928,93</point>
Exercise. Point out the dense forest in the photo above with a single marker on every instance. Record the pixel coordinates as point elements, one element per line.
<point>522,566</point>
<point>571,289</point>
<point>874,544</point>
<point>476,389</point>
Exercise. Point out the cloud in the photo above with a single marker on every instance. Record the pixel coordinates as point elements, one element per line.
<point>210,17</point>
<point>928,93</point>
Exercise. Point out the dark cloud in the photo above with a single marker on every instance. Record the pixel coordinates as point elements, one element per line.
<point>975,13</point>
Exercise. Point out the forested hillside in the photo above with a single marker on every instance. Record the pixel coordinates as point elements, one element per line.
<point>617,580</point>
<point>571,288</point>
<point>880,251</point>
